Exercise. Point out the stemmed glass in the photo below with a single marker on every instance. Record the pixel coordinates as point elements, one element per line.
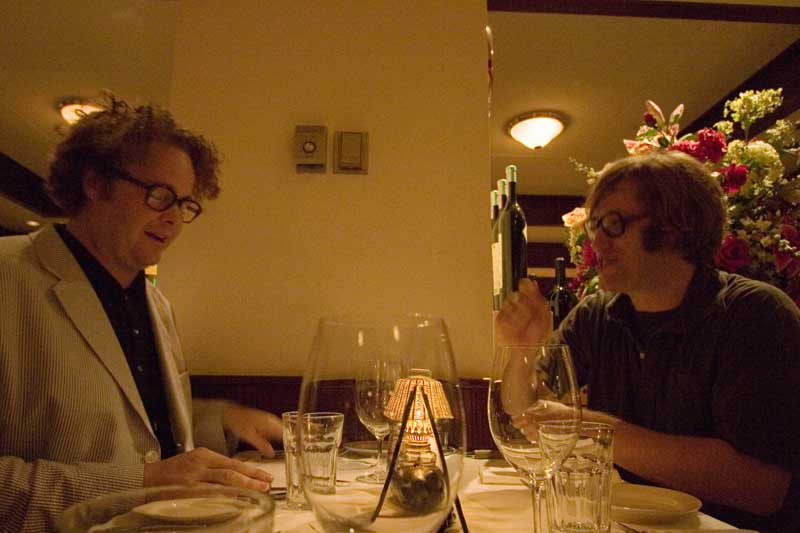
<point>374,386</point>
<point>416,496</point>
<point>531,385</point>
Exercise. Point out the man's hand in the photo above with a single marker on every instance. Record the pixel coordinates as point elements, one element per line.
<point>203,465</point>
<point>525,317</point>
<point>254,426</point>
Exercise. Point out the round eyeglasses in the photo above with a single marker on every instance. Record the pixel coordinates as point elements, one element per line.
<point>612,223</point>
<point>160,197</point>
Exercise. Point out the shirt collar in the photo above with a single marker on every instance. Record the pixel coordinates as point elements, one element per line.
<point>697,303</point>
<point>100,278</point>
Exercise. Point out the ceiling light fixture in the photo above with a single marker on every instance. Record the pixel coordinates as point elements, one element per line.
<point>74,110</point>
<point>536,129</point>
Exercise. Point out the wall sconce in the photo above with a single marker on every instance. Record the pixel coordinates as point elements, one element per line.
<point>536,129</point>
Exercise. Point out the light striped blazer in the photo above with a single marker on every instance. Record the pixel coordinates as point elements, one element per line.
<point>72,422</point>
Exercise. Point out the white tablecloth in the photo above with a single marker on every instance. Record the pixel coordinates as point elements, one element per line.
<point>487,508</point>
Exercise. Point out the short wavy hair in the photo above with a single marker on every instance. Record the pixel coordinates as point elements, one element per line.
<point>119,134</point>
<point>679,195</point>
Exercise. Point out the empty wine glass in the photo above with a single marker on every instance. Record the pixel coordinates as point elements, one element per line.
<point>422,482</point>
<point>530,385</point>
<point>374,386</point>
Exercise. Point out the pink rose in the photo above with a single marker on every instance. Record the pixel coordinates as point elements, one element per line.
<point>638,147</point>
<point>733,254</point>
<point>734,178</point>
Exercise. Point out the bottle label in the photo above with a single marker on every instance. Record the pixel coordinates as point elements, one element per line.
<point>497,264</point>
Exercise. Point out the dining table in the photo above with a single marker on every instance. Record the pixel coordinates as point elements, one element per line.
<point>487,505</point>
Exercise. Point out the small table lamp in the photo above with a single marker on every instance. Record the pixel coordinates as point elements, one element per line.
<point>417,403</point>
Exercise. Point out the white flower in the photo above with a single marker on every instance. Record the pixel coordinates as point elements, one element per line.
<point>576,217</point>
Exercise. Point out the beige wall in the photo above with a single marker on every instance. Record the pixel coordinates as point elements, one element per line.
<point>250,278</point>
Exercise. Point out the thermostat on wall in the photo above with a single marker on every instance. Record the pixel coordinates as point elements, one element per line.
<point>310,148</point>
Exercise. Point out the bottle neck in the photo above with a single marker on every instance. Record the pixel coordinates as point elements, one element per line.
<point>512,192</point>
<point>561,275</point>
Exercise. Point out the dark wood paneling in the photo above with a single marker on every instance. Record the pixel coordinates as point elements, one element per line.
<point>543,254</point>
<point>654,9</point>
<point>547,210</point>
<point>26,188</point>
<point>278,394</point>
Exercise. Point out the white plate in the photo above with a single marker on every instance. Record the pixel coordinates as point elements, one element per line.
<point>644,504</point>
<point>191,510</point>
<point>363,447</point>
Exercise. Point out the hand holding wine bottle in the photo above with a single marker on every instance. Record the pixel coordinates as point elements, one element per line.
<point>524,318</point>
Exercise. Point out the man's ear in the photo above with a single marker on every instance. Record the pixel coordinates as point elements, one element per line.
<point>94,185</point>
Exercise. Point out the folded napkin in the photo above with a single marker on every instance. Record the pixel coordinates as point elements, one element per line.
<point>498,472</point>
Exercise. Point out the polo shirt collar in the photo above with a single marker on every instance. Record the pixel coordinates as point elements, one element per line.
<point>697,303</point>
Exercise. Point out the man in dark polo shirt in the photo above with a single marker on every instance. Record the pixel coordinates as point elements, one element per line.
<point>697,369</point>
<point>94,388</point>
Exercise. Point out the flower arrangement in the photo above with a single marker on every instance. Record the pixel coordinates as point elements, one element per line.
<point>762,240</point>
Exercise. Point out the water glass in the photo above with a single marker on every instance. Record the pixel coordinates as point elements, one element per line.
<point>320,437</point>
<point>579,491</point>
<point>295,499</point>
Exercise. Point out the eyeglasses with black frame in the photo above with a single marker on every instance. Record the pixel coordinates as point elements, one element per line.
<point>612,223</point>
<point>161,197</point>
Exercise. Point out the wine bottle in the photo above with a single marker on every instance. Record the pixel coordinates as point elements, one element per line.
<point>562,300</point>
<point>502,190</point>
<point>497,252</point>
<point>494,199</point>
<point>512,233</point>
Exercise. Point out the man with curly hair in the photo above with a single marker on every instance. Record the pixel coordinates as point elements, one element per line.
<point>94,388</point>
<point>697,369</point>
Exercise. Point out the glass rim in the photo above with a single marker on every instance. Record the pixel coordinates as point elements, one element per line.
<point>380,319</point>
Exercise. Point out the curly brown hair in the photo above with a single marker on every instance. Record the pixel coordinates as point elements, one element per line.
<point>679,195</point>
<point>118,134</point>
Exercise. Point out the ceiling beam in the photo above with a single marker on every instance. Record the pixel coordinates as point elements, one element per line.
<point>654,9</point>
<point>780,72</point>
<point>19,184</point>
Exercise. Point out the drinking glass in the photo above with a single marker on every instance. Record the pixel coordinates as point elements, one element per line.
<point>416,496</point>
<point>579,491</point>
<point>374,386</point>
<point>532,384</point>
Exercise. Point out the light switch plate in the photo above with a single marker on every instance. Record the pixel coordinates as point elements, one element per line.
<point>350,152</point>
<point>310,148</point>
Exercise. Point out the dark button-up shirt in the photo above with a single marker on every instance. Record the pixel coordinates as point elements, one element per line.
<point>725,364</point>
<point>128,314</point>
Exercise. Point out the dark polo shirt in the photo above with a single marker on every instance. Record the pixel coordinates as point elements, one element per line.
<point>127,311</point>
<point>725,364</point>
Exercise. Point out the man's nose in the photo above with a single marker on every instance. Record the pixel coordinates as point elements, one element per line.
<point>172,214</point>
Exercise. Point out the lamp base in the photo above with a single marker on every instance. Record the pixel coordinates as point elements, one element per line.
<point>418,487</point>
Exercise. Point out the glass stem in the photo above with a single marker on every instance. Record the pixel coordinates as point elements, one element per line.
<point>540,523</point>
<point>380,467</point>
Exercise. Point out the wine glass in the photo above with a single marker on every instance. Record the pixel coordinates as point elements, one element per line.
<point>374,386</point>
<point>423,475</point>
<point>530,385</point>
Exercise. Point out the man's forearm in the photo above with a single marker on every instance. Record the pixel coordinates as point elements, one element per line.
<point>708,468</point>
